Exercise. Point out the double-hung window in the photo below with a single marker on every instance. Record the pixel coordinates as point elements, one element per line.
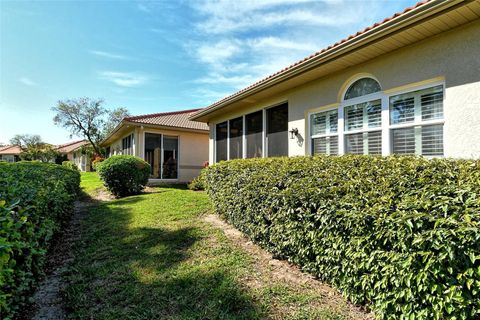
<point>416,122</point>
<point>363,128</point>
<point>324,132</point>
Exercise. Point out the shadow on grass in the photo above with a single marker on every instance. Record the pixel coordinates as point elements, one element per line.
<point>127,272</point>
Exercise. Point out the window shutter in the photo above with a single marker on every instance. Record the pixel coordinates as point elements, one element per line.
<point>404,140</point>
<point>333,121</point>
<point>319,123</point>
<point>354,117</point>
<point>325,145</point>
<point>374,113</point>
<point>432,105</point>
<point>432,140</point>
<point>402,110</point>
<point>375,142</point>
<point>354,143</point>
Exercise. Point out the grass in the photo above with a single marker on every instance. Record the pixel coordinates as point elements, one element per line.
<point>90,182</point>
<point>151,256</point>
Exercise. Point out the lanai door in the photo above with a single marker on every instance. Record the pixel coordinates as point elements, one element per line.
<point>277,131</point>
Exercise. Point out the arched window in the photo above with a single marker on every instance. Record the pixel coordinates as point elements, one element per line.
<point>363,118</point>
<point>362,87</point>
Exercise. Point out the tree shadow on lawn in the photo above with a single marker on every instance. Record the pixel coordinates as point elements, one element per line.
<point>123,272</point>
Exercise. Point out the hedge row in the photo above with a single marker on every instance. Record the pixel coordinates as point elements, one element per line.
<point>400,234</point>
<point>35,200</point>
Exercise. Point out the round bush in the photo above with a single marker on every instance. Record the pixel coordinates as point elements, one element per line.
<point>124,175</point>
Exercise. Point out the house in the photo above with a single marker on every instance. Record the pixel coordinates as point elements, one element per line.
<point>174,146</point>
<point>407,85</point>
<point>75,153</point>
<point>10,153</point>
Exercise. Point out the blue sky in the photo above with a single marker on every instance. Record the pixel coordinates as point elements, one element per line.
<point>155,56</point>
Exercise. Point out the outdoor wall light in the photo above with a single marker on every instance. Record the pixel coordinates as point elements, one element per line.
<point>293,133</point>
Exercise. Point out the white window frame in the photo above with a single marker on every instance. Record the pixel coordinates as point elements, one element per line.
<point>330,134</point>
<point>385,128</point>
<point>365,129</point>
<point>418,123</point>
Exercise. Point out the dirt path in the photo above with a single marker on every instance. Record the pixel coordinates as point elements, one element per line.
<point>48,298</point>
<point>270,269</point>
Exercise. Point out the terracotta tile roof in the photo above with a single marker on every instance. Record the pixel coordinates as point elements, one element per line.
<point>177,119</point>
<point>71,146</point>
<point>314,55</point>
<point>10,150</point>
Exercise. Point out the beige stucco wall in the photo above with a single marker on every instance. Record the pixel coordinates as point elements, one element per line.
<point>193,149</point>
<point>81,160</point>
<point>453,57</point>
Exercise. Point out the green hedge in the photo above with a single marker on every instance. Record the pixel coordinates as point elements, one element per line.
<point>198,183</point>
<point>36,199</point>
<point>124,175</point>
<point>400,234</point>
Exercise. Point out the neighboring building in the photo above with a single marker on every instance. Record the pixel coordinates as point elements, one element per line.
<point>10,153</point>
<point>407,85</point>
<point>73,151</point>
<point>174,146</point>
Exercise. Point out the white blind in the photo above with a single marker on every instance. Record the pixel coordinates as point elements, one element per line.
<point>325,145</point>
<point>432,140</point>
<point>432,104</point>
<point>354,143</point>
<point>374,114</point>
<point>374,142</point>
<point>333,120</point>
<point>354,117</point>
<point>417,107</point>
<point>402,110</point>
<point>404,140</point>
<point>363,115</point>
<point>324,122</point>
<point>364,143</point>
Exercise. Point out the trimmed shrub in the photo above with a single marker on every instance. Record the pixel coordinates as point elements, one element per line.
<point>124,175</point>
<point>400,234</point>
<point>96,163</point>
<point>198,183</point>
<point>36,199</point>
<point>70,165</point>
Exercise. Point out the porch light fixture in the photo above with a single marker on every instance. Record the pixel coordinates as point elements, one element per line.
<point>293,133</point>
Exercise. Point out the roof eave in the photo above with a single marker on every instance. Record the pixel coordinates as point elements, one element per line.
<point>105,142</point>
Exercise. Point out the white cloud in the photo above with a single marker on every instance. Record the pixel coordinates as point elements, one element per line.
<point>241,42</point>
<point>27,81</point>
<point>219,52</point>
<point>124,79</point>
<point>109,55</point>
<point>227,16</point>
<point>237,63</point>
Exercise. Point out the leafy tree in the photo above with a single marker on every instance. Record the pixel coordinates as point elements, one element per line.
<point>33,148</point>
<point>114,118</point>
<point>87,118</point>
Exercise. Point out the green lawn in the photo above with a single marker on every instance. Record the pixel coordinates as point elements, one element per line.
<point>90,182</point>
<point>152,256</point>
